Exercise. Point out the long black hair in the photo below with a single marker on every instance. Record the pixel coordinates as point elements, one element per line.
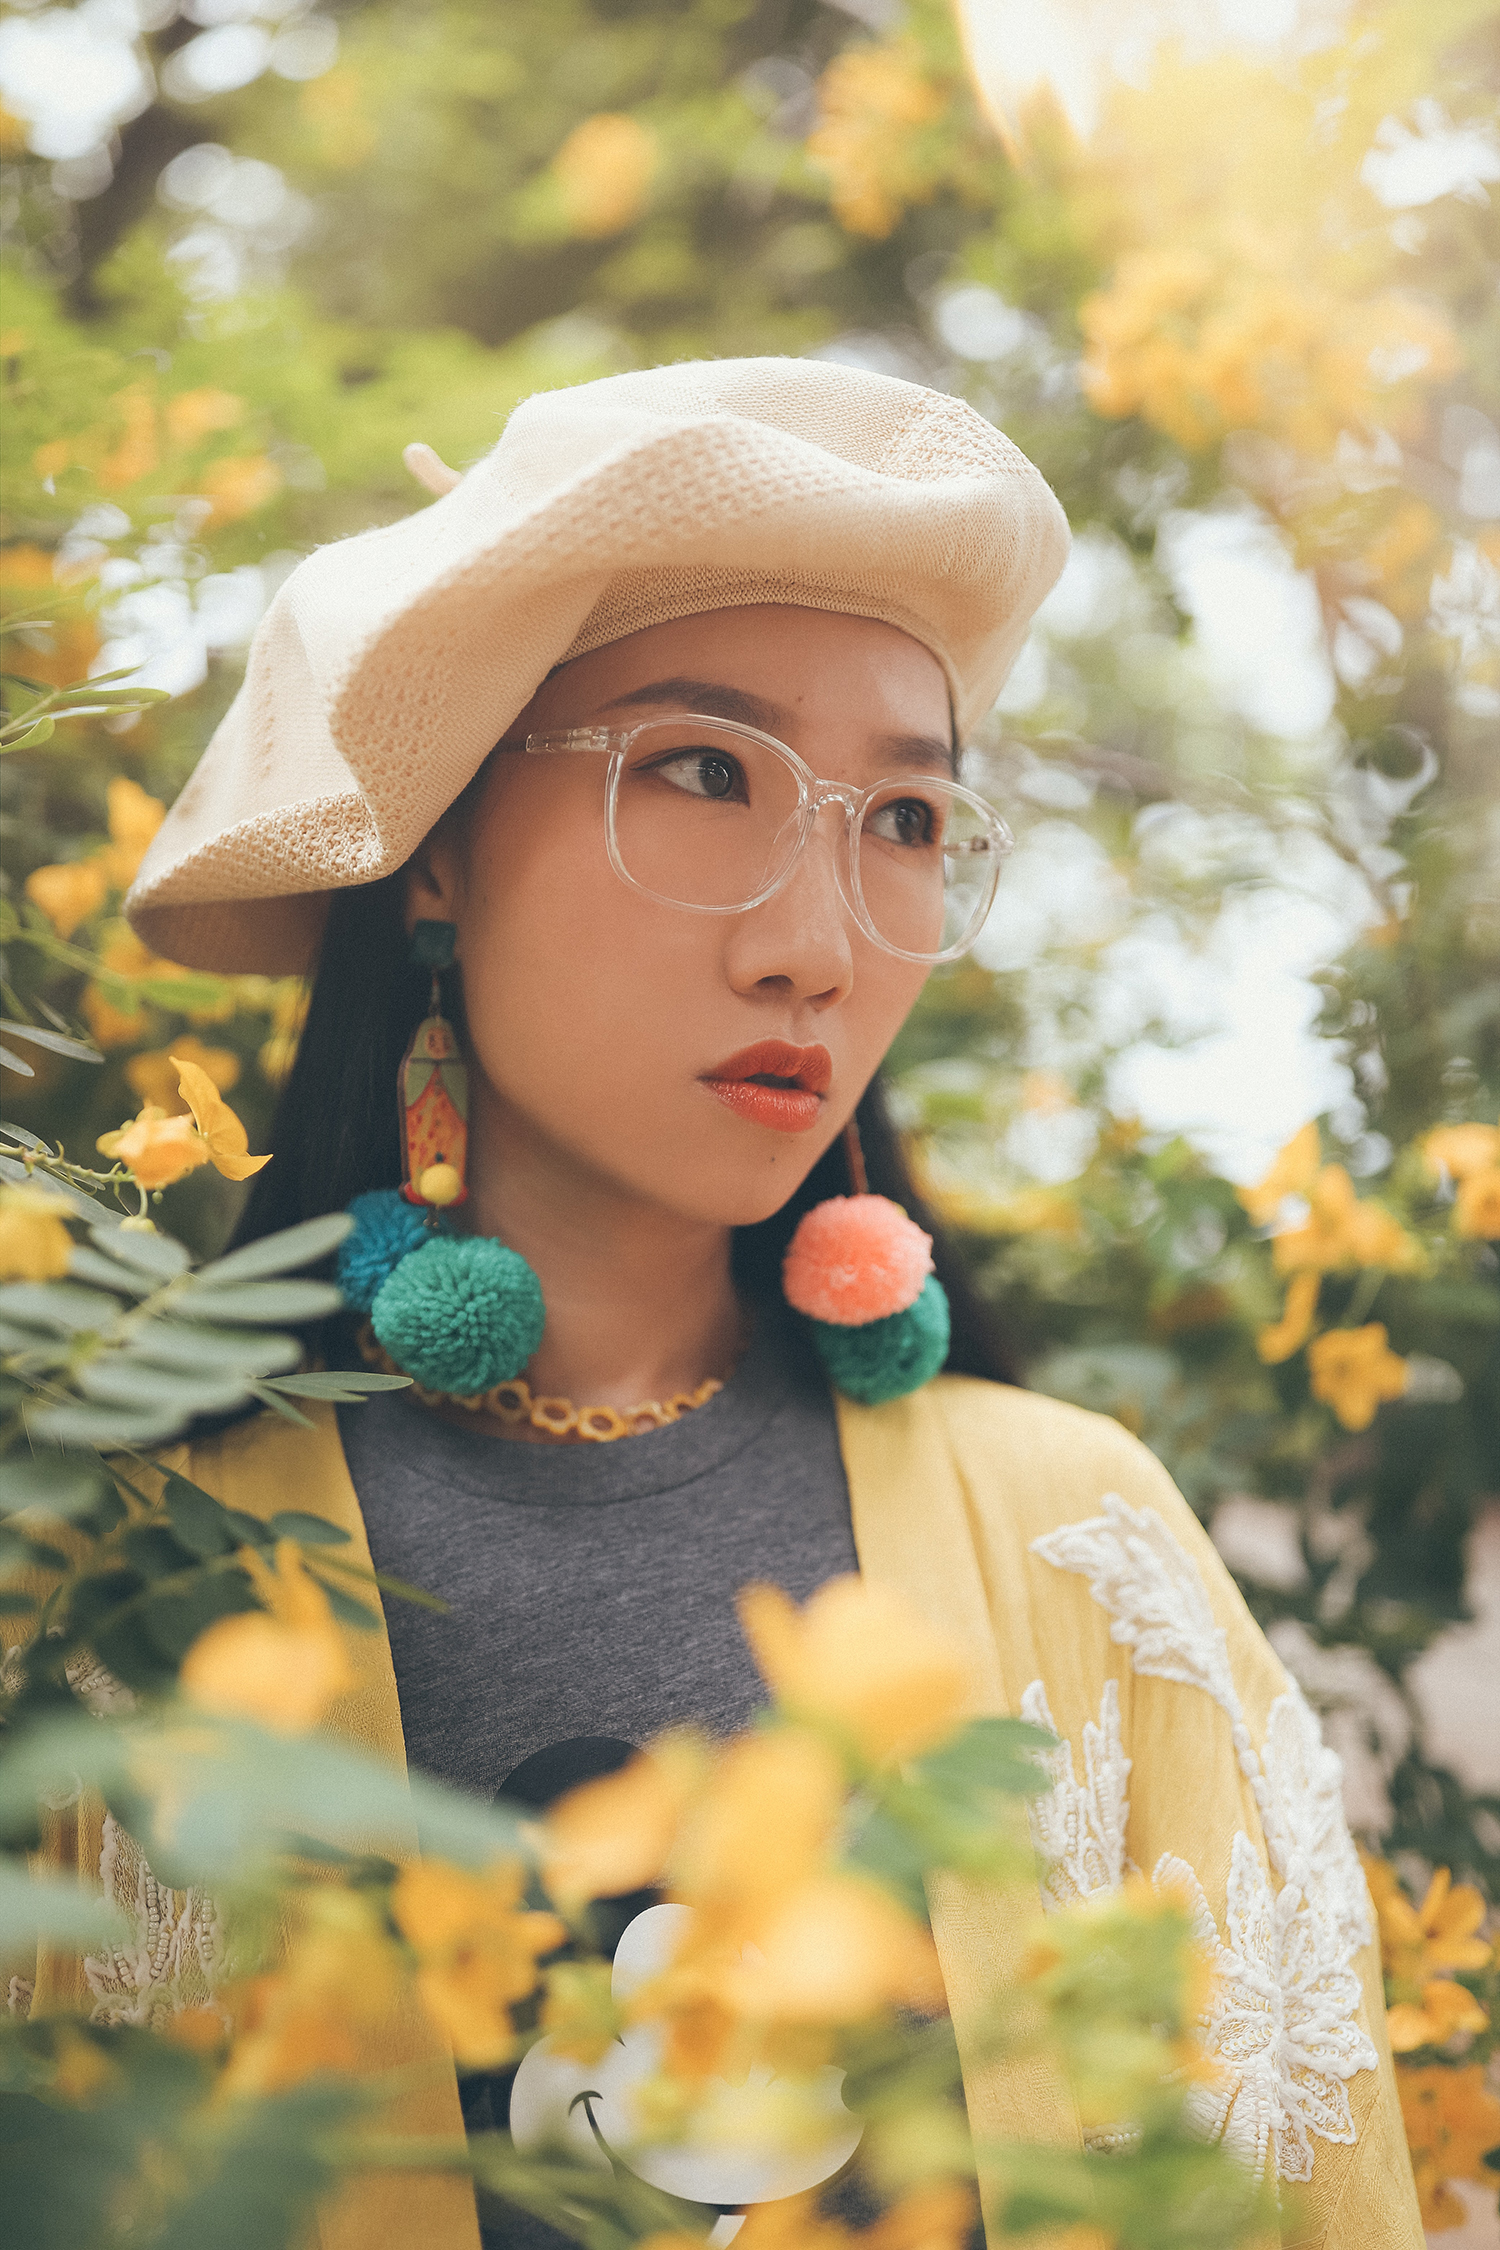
<point>336,1132</point>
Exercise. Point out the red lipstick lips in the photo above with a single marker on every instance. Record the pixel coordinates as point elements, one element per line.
<point>773,1083</point>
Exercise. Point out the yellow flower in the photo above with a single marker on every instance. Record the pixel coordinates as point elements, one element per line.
<point>873,104</point>
<point>861,1659</point>
<point>1293,1173</point>
<point>1451,2122</point>
<point>112,1024</point>
<point>197,414</point>
<point>1353,1371</point>
<point>1444,2009</point>
<point>1342,1231</point>
<point>579,2014</point>
<point>1476,1211</point>
<point>834,1950</point>
<point>616,1834</point>
<point>155,1149</point>
<point>764,1822</point>
<point>289,996</point>
<point>1417,1941</point>
<point>135,455</point>
<point>604,170</point>
<point>238,485</point>
<point>35,1245</point>
<point>1287,1335</point>
<point>281,1666</point>
<point>340,1977</point>
<point>223,1134</point>
<point>153,1074</point>
<point>134,817</point>
<point>477,1951</point>
<point>69,892</point>
<point>1461,1150</point>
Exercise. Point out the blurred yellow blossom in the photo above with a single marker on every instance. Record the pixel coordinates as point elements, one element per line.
<point>861,1659</point>
<point>939,2216</point>
<point>764,1822</point>
<point>340,1977</point>
<point>872,103</point>
<point>69,892</point>
<point>198,414</point>
<point>580,2014</point>
<point>1281,1338</point>
<point>289,998</point>
<point>61,652</point>
<point>1452,2121</point>
<point>112,1024</point>
<point>155,1149</point>
<point>35,1244</point>
<point>134,817</point>
<point>1441,1933</point>
<point>1476,1208</point>
<point>135,453</point>
<point>238,485</point>
<point>1341,1231</point>
<point>1462,1150</point>
<point>477,1950</point>
<point>224,1135</point>
<point>1353,1371</point>
<point>616,1834</point>
<point>834,1950</point>
<point>282,1665</point>
<point>1444,2009</point>
<point>153,1074</point>
<point>1293,1173</point>
<point>604,169</point>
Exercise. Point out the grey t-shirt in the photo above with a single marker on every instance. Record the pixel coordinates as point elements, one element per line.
<point>590,1592</point>
<point>590,1588</point>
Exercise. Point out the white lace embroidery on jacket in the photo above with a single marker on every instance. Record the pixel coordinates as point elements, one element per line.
<point>1283,2019</point>
<point>171,1959</point>
<point>1078,1828</point>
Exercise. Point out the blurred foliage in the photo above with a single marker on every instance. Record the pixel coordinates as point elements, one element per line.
<point>1237,318</point>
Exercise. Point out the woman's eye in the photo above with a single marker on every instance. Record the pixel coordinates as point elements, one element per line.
<point>703,773</point>
<point>907,820</point>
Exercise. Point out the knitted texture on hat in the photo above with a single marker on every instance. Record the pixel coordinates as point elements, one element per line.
<point>386,1228</point>
<point>887,1358</point>
<point>461,1314</point>
<point>854,1259</point>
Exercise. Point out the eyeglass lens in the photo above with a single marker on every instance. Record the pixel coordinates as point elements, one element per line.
<point>710,819</point>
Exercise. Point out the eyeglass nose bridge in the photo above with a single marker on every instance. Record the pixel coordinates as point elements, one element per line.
<point>819,796</point>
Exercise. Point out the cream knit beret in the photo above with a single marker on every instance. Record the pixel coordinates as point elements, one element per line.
<point>389,664</point>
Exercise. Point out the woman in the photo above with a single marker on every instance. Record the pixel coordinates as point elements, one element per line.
<point>627,771</point>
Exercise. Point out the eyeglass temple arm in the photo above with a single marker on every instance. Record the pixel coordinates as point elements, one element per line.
<point>573,738</point>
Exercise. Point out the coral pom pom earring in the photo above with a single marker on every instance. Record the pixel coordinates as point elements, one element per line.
<point>861,1272</point>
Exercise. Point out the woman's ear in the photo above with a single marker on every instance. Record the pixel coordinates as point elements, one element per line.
<point>432,886</point>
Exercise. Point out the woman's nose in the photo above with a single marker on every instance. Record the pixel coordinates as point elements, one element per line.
<point>798,942</point>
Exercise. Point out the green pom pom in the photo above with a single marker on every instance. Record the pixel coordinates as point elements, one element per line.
<point>386,1229</point>
<point>461,1314</point>
<point>887,1358</point>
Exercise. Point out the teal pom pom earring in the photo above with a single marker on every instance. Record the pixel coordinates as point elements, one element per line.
<point>861,1272</point>
<point>460,1313</point>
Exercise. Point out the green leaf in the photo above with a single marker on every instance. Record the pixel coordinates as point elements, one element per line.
<point>40,731</point>
<point>151,1549</point>
<point>105,1427</point>
<point>251,1529</point>
<point>155,1254</point>
<point>13,1604</point>
<point>281,1406</point>
<point>348,1611</point>
<point>54,1484</point>
<point>281,1253</point>
<point>256,1302</point>
<point>995,1754</point>
<point>308,1531</point>
<point>344,1390</point>
<point>174,1618</point>
<point>37,1906</point>
<point>201,1350</point>
<point>57,1304</point>
<point>87,1265</point>
<point>116,1381</point>
<point>55,1041</point>
<point>199,1522</point>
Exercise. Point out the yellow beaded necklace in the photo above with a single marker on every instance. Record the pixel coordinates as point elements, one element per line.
<point>554,1417</point>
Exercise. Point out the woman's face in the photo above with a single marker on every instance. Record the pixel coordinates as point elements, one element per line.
<point>601,1021</point>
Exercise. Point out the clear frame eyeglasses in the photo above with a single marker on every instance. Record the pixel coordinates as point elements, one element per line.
<point>711,816</point>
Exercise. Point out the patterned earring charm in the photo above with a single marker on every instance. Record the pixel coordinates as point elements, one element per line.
<point>461,1313</point>
<point>861,1272</point>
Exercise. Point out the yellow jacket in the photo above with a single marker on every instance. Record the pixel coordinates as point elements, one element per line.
<point>1055,1551</point>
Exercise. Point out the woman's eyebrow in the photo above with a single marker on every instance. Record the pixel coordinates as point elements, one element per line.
<point>716,700</point>
<point>711,697</point>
